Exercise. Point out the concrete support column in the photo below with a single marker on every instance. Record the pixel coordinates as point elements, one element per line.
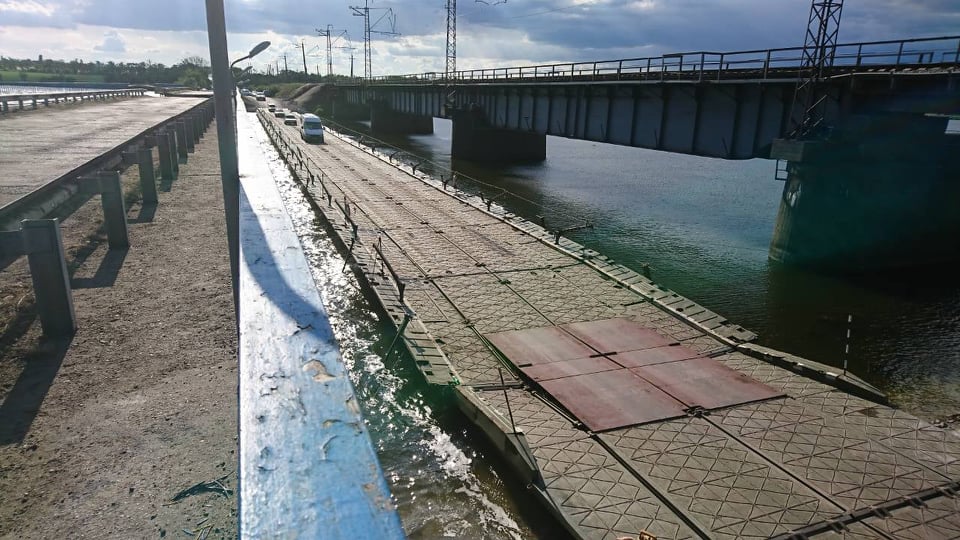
<point>474,140</point>
<point>385,120</point>
<point>882,194</point>
<point>43,245</point>
<point>167,158</point>
<point>148,180</point>
<point>184,145</point>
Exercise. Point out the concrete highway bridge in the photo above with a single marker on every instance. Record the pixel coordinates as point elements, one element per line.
<point>875,180</point>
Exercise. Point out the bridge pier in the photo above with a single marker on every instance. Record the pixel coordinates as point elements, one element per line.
<point>383,119</point>
<point>475,140</point>
<point>883,193</point>
<point>344,111</point>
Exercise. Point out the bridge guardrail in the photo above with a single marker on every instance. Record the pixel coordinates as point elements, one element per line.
<point>707,65</point>
<point>24,231</point>
<point>20,99</point>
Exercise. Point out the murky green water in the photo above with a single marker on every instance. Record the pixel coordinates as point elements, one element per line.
<point>703,226</point>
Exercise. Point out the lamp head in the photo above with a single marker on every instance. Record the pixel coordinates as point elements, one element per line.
<point>258,49</point>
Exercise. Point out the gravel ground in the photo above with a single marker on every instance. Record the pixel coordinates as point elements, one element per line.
<point>100,433</point>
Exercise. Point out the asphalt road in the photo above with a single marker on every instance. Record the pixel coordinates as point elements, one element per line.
<point>38,146</point>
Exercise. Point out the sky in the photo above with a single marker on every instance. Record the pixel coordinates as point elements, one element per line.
<point>489,33</point>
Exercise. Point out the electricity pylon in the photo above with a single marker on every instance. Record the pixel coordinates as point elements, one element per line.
<point>369,29</point>
<point>819,46</point>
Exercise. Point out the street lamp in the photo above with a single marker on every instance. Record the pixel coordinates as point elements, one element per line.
<point>253,52</point>
<point>223,88</point>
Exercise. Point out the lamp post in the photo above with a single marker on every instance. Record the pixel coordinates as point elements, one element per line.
<point>223,89</point>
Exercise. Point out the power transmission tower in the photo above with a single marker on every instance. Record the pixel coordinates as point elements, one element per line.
<point>326,33</point>
<point>819,46</point>
<point>331,42</point>
<point>369,29</point>
<point>451,67</point>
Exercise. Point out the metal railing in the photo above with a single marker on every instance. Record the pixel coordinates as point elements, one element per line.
<point>56,97</point>
<point>777,63</point>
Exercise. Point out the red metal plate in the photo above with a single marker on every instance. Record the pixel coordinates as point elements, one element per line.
<point>705,382</point>
<point>613,399</point>
<point>538,346</point>
<point>656,355</point>
<point>569,368</point>
<point>615,335</point>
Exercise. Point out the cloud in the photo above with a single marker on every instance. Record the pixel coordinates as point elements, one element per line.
<point>112,42</point>
<point>28,7</point>
<point>489,34</point>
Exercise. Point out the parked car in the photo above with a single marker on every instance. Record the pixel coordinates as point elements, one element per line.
<point>290,119</point>
<point>311,130</point>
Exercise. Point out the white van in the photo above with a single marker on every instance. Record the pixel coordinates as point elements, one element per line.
<point>311,130</point>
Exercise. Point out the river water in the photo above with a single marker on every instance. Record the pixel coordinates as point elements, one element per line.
<point>703,226</point>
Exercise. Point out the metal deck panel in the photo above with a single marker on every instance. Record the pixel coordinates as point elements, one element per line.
<point>490,304</point>
<point>474,361</point>
<point>601,498</point>
<point>705,382</point>
<point>729,490</point>
<point>556,298</point>
<point>613,399</point>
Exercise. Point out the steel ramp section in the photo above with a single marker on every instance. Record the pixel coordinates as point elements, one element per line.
<point>654,355</point>
<point>535,346</point>
<point>615,335</point>
<point>569,368</point>
<point>613,399</point>
<point>704,382</point>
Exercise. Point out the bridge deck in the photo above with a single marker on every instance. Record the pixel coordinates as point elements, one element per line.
<point>39,146</point>
<point>819,461</point>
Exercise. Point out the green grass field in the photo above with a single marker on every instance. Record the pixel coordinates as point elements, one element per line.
<point>33,76</point>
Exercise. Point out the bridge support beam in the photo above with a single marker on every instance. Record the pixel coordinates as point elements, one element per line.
<point>475,140</point>
<point>883,194</point>
<point>385,120</point>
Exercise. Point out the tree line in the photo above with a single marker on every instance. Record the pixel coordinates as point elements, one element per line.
<point>191,71</point>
